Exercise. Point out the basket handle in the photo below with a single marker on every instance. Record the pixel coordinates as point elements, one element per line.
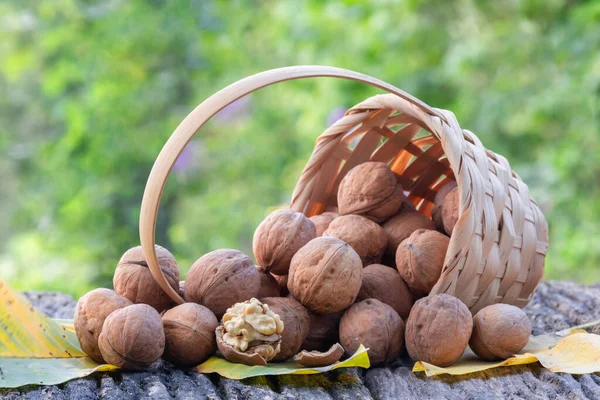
<point>205,111</point>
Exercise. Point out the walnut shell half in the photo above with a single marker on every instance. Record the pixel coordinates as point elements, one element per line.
<point>320,359</point>
<point>256,355</point>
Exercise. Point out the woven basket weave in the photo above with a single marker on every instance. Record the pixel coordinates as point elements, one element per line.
<point>497,250</point>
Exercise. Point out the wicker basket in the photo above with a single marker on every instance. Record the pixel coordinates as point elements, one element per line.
<point>497,251</point>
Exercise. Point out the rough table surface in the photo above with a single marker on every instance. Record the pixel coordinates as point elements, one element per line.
<point>556,305</point>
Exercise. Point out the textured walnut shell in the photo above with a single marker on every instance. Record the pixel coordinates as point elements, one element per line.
<point>256,355</point>
<point>269,287</point>
<point>371,190</point>
<point>279,237</point>
<point>438,330</point>
<point>325,275</point>
<point>436,212</point>
<point>385,284</point>
<point>282,280</point>
<point>92,309</point>
<point>402,226</point>
<point>366,237</point>
<point>296,324</point>
<point>449,211</point>
<point>499,332</point>
<point>322,221</point>
<point>320,359</point>
<point>376,326</point>
<point>220,279</point>
<point>133,279</point>
<point>420,259</point>
<point>323,333</point>
<point>189,334</point>
<point>132,338</point>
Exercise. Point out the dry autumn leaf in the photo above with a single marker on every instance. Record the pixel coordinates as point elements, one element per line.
<point>37,350</point>
<point>571,350</point>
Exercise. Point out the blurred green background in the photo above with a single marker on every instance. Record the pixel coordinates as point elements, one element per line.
<point>91,90</point>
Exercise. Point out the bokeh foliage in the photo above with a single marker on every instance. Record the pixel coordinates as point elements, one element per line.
<point>90,90</point>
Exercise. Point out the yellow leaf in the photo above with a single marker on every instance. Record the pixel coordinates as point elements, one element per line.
<point>35,349</point>
<point>578,353</point>
<point>539,346</point>
<point>17,372</point>
<point>240,371</point>
<point>26,332</point>
<point>67,323</point>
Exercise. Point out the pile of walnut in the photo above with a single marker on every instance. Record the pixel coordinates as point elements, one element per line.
<point>322,287</point>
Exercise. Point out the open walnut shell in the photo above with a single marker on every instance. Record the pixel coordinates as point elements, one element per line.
<point>254,355</point>
<point>320,359</point>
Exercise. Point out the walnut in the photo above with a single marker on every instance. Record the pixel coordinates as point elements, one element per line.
<point>420,259</point>
<point>323,331</point>
<point>250,334</point>
<point>371,190</point>
<point>313,359</point>
<point>449,210</point>
<point>220,279</point>
<point>322,221</point>
<point>269,287</point>
<point>376,326</point>
<point>402,226</point>
<point>279,237</point>
<point>436,212</point>
<point>132,338</point>
<point>385,284</point>
<point>189,334</point>
<point>133,279</point>
<point>499,332</point>
<point>366,237</point>
<point>438,330</point>
<point>282,280</point>
<point>296,321</point>
<point>92,309</point>
<point>325,275</point>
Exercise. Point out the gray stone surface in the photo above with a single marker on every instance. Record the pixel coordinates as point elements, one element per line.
<point>556,305</point>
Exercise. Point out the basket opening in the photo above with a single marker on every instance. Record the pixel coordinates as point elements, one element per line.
<point>413,153</point>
